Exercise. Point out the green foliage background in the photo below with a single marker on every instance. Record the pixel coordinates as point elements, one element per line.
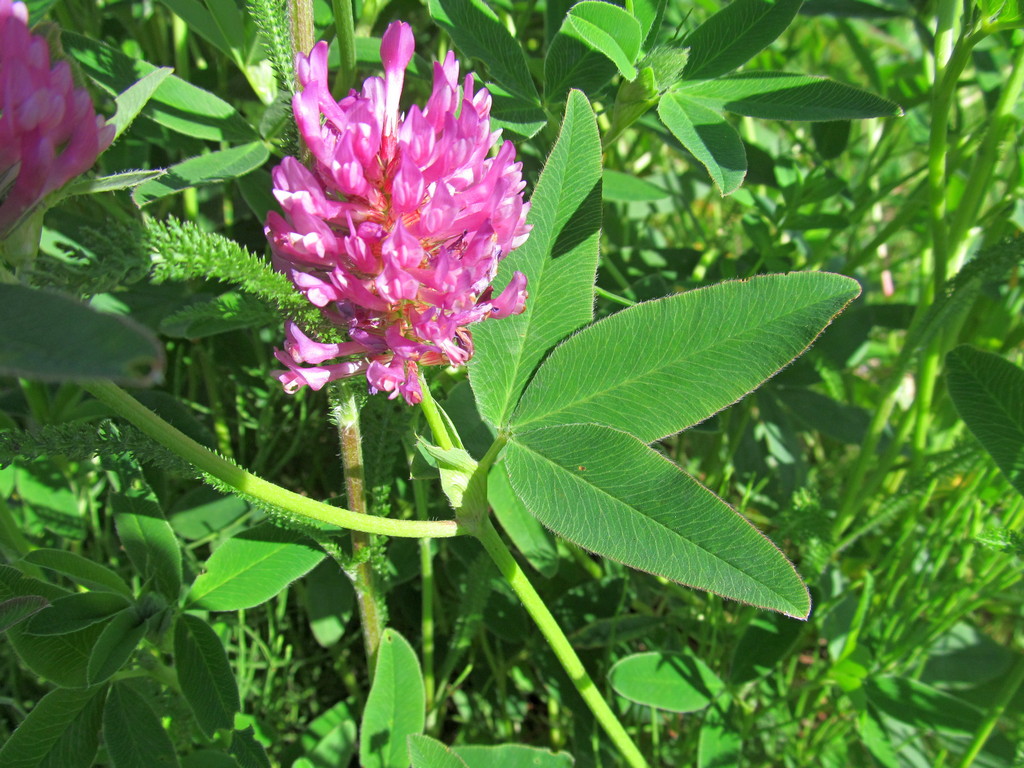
<point>885,463</point>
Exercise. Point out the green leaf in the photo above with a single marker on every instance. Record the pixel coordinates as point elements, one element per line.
<point>873,735</point>
<point>615,630</point>
<point>831,137</point>
<point>204,674</point>
<point>670,681</point>
<point>454,459</point>
<point>425,752</point>
<point>559,260</point>
<point>86,186</point>
<point>81,570</point>
<point>208,514</point>
<point>176,104</point>
<point>988,393</point>
<point>395,707</point>
<point>965,657</point>
<point>132,732</point>
<point>608,29</point>
<point>61,731</point>
<point>231,21</point>
<point>581,481</point>
<point>513,113</point>
<point>329,601</point>
<point>480,34</point>
<point>456,468</point>
<point>77,611</point>
<point>522,528</point>
<point>720,745</point>
<point>622,187</point>
<point>218,166</point>
<point>119,639</point>
<point>247,750</point>
<point>208,758</point>
<point>512,756</point>
<point>1005,14</point>
<point>252,567</point>
<point>708,137</point>
<point>922,706</point>
<point>331,738</point>
<point>734,35</point>
<point>60,658</point>
<point>662,366</point>
<point>131,101</point>
<point>149,541</point>
<point>784,96</point>
<point>199,20</point>
<point>570,64</point>
<point>762,647</point>
<point>649,13</point>
<point>15,610</point>
<point>37,9</point>
<point>52,337</point>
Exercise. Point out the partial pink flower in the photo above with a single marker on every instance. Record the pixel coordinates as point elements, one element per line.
<point>49,130</point>
<point>397,228</point>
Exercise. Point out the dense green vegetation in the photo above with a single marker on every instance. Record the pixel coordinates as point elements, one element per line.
<point>162,607</point>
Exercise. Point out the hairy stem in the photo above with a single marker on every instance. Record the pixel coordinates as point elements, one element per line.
<point>302,25</point>
<point>205,460</point>
<point>368,598</point>
<point>302,42</point>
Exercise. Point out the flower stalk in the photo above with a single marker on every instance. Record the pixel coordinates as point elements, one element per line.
<point>553,634</point>
<point>368,598</point>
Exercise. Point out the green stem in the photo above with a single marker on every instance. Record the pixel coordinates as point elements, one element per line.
<point>369,11</point>
<point>369,600</point>
<point>1000,122</point>
<point>426,601</point>
<point>947,13</point>
<point>947,78</point>
<point>302,25</point>
<point>127,407</point>
<point>559,643</point>
<point>924,395</point>
<point>481,527</point>
<point>950,62</point>
<point>344,26</point>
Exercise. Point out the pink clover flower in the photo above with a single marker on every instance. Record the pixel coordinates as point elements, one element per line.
<point>397,228</point>
<point>49,130</point>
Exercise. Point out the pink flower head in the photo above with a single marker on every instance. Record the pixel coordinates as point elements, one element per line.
<point>397,228</point>
<point>49,131</point>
